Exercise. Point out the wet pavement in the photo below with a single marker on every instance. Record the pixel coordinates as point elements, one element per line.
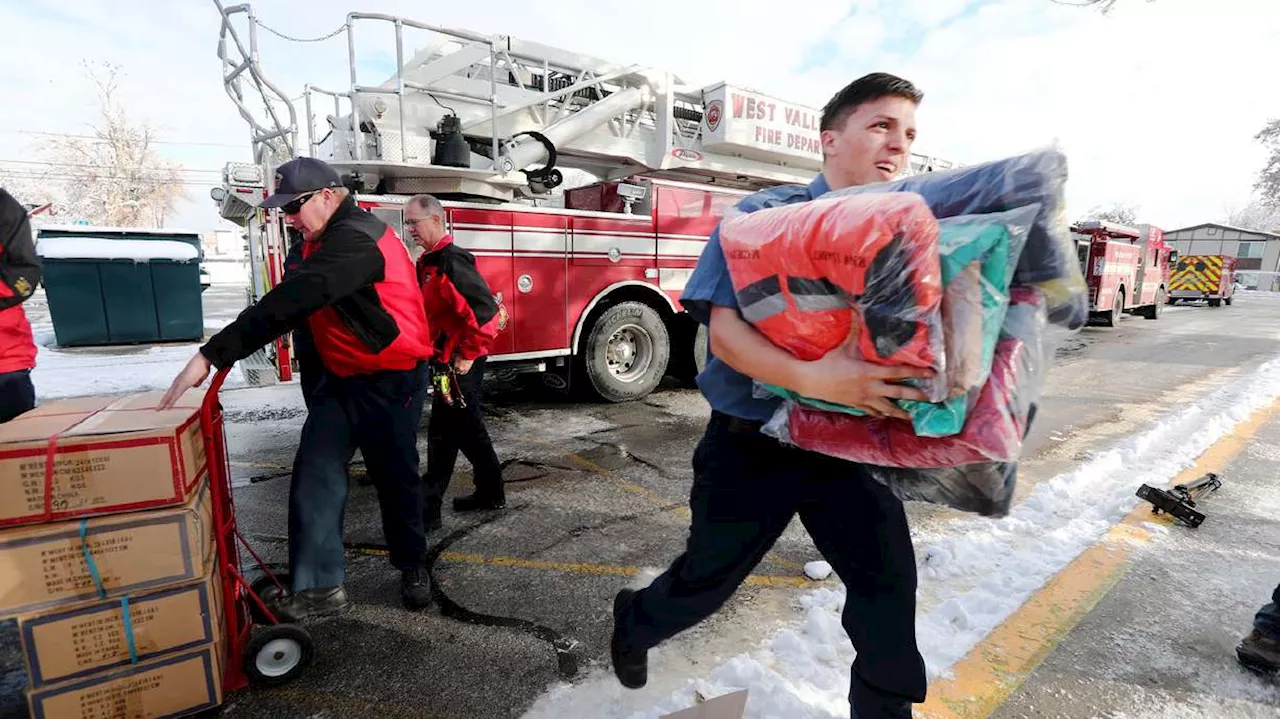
<point>597,492</point>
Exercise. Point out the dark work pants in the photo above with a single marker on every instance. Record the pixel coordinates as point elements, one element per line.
<point>1267,619</point>
<point>377,413</point>
<point>746,489</point>
<point>17,394</point>
<point>453,429</point>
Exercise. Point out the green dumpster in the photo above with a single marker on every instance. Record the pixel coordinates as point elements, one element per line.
<point>110,291</point>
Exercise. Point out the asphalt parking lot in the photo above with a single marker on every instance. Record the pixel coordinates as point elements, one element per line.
<point>596,494</point>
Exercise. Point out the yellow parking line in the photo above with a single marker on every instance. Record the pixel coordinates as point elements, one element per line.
<point>994,669</point>
<point>608,570</point>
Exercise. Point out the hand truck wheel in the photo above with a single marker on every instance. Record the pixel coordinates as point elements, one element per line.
<point>278,653</point>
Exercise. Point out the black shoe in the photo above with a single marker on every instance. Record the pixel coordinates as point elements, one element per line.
<point>1259,652</point>
<point>431,522</point>
<point>478,503</point>
<point>631,666</point>
<point>415,589</point>
<point>308,603</point>
<point>431,516</point>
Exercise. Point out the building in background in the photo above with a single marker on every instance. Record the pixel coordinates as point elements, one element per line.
<point>1257,252</point>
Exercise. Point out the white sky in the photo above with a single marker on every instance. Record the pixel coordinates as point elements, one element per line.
<point>1156,104</point>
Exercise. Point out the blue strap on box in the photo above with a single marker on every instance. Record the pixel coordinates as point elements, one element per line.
<point>128,629</point>
<point>102,591</point>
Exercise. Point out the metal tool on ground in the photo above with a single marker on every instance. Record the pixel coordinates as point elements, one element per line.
<point>1181,500</point>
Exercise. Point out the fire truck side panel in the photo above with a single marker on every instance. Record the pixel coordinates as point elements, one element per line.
<point>487,235</point>
<point>685,218</point>
<point>607,253</point>
<point>1112,266</point>
<point>541,269</point>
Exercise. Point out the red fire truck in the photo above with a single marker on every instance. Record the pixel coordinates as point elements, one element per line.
<point>588,270</point>
<point>1127,269</point>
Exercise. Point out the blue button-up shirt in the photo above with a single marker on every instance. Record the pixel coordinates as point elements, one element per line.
<point>726,389</point>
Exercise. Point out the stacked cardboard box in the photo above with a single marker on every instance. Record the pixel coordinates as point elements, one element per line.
<point>110,604</point>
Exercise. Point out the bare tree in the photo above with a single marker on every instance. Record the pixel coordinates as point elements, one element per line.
<point>1118,213</point>
<point>1104,5</point>
<point>1256,215</point>
<point>1268,184</point>
<point>113,174</point>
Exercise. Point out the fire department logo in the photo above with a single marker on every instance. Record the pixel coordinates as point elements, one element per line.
<point>503,316</point>
<point>715,110</point>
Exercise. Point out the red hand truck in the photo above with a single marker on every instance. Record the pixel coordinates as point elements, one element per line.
<point>260,650</point>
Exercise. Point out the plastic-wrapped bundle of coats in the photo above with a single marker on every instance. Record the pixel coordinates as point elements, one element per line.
<point>1035,178</point>
<point>978,310</point>
<point>809,275</point>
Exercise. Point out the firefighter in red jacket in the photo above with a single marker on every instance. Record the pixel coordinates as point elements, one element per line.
<point>356,292</point>
<point>19,274</point>
<point>464,319</point>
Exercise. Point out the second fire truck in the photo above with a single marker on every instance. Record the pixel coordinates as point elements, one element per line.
<point>1127,269</point>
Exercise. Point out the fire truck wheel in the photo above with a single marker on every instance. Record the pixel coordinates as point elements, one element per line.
<point>626,352</point>
<point>1112,318</point>
<point>277,654</point>
<point>1152,312</point>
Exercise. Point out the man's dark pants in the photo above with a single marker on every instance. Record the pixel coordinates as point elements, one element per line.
<point>17,394</point>
<point>379,414</point>
<point>746,489</point>
<point>453,429</point>
<point>1267,620</point>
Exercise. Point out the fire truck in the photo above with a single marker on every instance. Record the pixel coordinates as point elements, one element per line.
<point>585,188</point>
<point>1126,268</point>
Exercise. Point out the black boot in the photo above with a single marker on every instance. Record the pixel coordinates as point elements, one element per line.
<point>308,603</point>
<point>631,666</point>
<point>431,517</point>
<point>1259,652</point>
<point>478,503</point>
<point>415,588</point>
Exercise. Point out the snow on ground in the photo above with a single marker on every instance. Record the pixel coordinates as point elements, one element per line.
<point>970,580</point>
<point>78,371</point>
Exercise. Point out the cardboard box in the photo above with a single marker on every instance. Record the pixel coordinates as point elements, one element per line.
<point>46,566</point>
<point>174,685</point>
<point>112,454</point>
<point>75,642</point>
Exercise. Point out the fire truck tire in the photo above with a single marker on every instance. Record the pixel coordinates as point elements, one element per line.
<point>1152,312</point>
<point>626,352</point>
<point>277,654</point>
<point>1215,302</point>
<point>1112,318</point>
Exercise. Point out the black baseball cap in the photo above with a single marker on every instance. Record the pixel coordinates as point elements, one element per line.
<point>300,176</point>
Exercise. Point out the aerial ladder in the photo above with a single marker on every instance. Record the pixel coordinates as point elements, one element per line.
<point>493,118</point>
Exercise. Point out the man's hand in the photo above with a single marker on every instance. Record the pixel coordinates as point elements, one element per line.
<point>463,366</point>
<point>842,378</point>
<point>191,376</point>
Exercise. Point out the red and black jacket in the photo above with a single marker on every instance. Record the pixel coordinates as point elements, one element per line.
<point>356,290</point>
<point>20,272</point>
<point>461,309</point>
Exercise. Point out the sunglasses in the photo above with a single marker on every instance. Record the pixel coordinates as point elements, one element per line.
<point>294,206</point>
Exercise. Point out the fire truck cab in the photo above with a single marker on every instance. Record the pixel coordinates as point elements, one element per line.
<point>587,272</point>
<point>1126,268</point>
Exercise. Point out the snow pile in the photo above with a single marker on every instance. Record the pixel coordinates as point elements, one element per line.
<point>98,248</point>
<point>970,581</point>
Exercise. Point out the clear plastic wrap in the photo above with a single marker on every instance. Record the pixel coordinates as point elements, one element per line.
<point>977,256</point>
<point>809,275</point>
<point>1034,178</point>
<point>974,471</point>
